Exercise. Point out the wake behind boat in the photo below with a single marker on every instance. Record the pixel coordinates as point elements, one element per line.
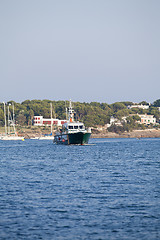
<point>72,132</point>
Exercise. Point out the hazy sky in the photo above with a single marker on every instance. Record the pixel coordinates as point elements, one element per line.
<point>86,50</point>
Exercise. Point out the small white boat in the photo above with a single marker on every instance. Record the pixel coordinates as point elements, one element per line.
<point>34,138</point>
<point>47,137</point>
<point>9,137</point>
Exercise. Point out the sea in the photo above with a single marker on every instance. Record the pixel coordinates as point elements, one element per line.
<point>108,189</point>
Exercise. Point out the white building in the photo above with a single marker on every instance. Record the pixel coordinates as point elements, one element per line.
<point>116,121</point>
<point>40,121</point>
<point>147,119</point>
<point>138,106</point>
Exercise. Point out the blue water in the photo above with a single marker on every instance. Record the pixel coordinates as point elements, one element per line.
<point>109,189</point>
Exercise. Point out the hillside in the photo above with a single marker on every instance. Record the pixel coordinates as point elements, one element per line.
<point>92,114</point>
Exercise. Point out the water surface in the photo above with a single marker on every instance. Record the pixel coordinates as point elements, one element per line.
<point>109,189</point>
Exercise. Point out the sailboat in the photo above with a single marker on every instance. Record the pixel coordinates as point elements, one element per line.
<point>11,123</point>
<point>48,136</point>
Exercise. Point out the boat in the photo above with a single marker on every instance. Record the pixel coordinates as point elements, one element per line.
<point>9,135</point>
<point>34,138</point>
<point>72,132</point>
<point>48,136</point>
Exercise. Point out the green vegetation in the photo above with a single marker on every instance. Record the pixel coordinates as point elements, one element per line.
<point>92,114</point>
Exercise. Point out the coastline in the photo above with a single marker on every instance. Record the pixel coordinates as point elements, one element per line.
<point>147,133</point>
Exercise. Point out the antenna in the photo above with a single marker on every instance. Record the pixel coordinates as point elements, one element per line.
<point>71,111</point>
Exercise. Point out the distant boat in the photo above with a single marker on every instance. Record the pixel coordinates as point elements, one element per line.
<point>72,132</point>
<point>9,135</point>
<point>48,136</point>
<point>33,138</point>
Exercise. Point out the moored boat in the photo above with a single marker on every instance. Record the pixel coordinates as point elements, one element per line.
<point>72,132</point>
<point>10,137</point>
<point>11,123</point>
<point>46,137</point>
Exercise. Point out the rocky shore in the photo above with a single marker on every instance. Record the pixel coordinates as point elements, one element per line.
<point>148,133</point>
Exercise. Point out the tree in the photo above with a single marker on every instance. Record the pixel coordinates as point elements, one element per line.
<point>1,117</point>
<point>156,103</point>
<point>127,103</point>
<point>116,129</point>
<point>21,119</point>
<point>121,113</point>
<point>154,111</point>
<point>132,122</point>
<point>117,106</point>
<point>144,103</point>
<point>29,116</point>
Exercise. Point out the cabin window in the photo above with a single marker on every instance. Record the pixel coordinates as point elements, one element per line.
<point>75,127</point>
<point>70,127</point>
<point>81,126</point>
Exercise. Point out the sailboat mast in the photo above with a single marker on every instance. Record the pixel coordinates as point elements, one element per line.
<point>51,117</point>
<point>8,121</point>
<point>14,120</point>
<point>5,122</point>
<point>66,111</point>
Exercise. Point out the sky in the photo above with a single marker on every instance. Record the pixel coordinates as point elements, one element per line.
<point>84,50</point>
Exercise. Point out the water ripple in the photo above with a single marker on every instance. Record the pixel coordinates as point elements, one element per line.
<point>109,189</point>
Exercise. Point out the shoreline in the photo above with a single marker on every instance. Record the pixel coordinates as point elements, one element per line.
<point>147,133</point>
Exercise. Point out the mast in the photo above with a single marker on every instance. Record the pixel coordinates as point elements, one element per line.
<point>51,117</point>
<point>71,111</point>
<point>14,120</point>
<point>8,121</point>
<point>5,118</point>
<point>66,110</point>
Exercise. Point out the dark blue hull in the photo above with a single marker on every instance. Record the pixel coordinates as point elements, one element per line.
<point>72,138</point>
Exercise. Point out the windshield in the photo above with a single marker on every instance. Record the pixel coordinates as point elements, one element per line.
<point>75,127</point>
